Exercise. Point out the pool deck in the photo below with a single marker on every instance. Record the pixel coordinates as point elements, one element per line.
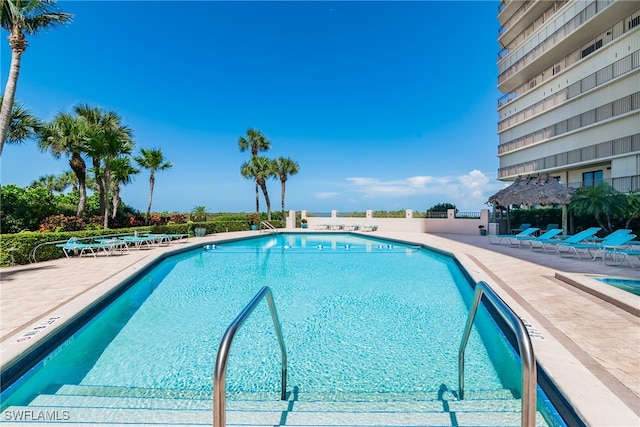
<point>586,335</point>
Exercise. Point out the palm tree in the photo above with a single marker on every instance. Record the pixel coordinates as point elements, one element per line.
<point>46,181</point>
<point>153,160</point>
<point>57,183</point>
<point>633,211</point>
<point>22,126</point>
<point>19,17</point>
<point>65,134</point>
<point>199,213</point>
<point>284,167</point>
<point>248,171</point>
<point>600,201</point>
<point>106,140</point>
<point>121,174</point>
<point>260,169</point>
<point>254,142</point>
<point>91,117</point>
<point>67,179</point>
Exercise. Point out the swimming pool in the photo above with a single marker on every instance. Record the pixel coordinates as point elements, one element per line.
<point>361,317</point>
<point>629,285</point>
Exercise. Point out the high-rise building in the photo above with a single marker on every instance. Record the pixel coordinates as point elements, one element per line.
<point>570,74</point>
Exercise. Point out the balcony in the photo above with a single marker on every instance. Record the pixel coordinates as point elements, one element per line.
<point>625,184</point>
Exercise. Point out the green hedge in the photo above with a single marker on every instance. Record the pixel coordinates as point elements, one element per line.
<point>536,217</point>
<point>25,242</point>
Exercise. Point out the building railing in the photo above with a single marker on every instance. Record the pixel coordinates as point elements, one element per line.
<point>465,215</point>
<point>601,113</point>
<point>597,152</point>
<point>624,184</point>
<point>410,221</point>
<point>437,214</point>
<point>588,12</point>
<point>598,78</point>
<point>468,215</point>
<point>538,22</point>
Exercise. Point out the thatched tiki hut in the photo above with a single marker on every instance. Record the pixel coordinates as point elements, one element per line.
<point>530,191</point>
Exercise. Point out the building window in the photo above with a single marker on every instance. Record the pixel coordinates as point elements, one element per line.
<point>591,179</point>
<point>592,48</point>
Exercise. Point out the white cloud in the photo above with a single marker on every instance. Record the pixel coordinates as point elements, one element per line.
<point>469,191</point>
<point>473,184</point>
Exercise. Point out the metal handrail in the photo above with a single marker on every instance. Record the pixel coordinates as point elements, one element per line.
<point>269,226</point>
<point>220,372</point>
<point>529,372</point>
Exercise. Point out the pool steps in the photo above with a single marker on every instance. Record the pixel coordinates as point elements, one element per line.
<point>111,406</point>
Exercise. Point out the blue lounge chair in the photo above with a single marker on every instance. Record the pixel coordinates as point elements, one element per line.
<point>618,232</point>
<point>532,240</point>
<point>74,246</point>
<point>520,229</point>
<point>138,242</point>
<point>619,256</point>
<point>554,244</point>
<point>593,250</point>
<point>496,239</point>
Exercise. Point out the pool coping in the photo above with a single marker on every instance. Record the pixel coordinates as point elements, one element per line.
<point>557,357</point>
<point>618,297</point>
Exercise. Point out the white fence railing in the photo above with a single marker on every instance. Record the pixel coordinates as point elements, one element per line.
<point>450,222</point>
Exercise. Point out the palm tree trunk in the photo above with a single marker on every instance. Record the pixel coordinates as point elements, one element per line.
<point>107,182</point>
<point>79,167</point>
<point>600,223</point>
<point>257,199</point>
<point>10,89</point>
<point>610,226</point>
<point>82,199</point>
<point>151,183</point>
<point>99,182</point>
<point>115,200</point>
<point>283,188</point>
<point>263,185</point>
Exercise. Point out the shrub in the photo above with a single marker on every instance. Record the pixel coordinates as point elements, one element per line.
<point>62,223</point>
<point>25,208</point>
<point>155,219</point>
<point>96,221</point>
<point>177,218</point>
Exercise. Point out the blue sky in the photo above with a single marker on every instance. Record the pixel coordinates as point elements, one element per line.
<point>384,105</point>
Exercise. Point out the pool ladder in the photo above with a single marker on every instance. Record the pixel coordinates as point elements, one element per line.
<point>525,348</point>
<point>267,226</point>
<point>220,371</point>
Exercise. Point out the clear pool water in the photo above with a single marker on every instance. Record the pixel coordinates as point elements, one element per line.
<point>629,285</point>
<point>359,316</point>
